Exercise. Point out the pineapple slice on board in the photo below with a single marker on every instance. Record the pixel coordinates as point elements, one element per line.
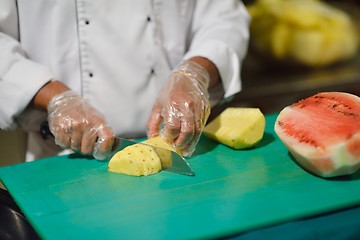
<point>237,128</point>
<point>165,156</point>
<point>142,159</point>
<point>135,160</point>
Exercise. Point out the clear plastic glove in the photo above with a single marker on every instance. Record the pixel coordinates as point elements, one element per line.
<point>182,108</point>
<point>77,125</point>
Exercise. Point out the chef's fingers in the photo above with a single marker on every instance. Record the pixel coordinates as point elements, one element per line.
<point>62,133</point>
<point>88,141</point>
<point>172,123</point>
<point>104,143</point>
<point>187,127</point>
<point>76,137</point>
<point>201,112</point>
<point>154,121</point>
<point>191,143</point>
<point>63,139</point>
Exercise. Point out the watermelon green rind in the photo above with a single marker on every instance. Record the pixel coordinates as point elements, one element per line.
<point>322,132</point>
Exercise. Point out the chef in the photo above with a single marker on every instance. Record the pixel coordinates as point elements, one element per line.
<point>93,69</point>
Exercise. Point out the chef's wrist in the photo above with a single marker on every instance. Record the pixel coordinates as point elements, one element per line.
<point>211,69</point>
<point>195,73</point>
<point>43,97</point>
<point>65,98</point>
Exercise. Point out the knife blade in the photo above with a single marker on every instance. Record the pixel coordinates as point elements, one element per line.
<point>177,163</point>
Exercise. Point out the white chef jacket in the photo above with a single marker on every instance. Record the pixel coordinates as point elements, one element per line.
<point>116,54</point>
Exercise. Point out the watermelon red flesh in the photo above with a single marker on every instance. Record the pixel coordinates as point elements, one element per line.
<point>336,116</point>
<point>321,130</point>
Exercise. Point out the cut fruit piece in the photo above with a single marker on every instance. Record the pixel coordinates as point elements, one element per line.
<point>322,132</point>
<point>165,156</point>
<point>158,141</point>
<point>142,159</point>
<point>238,128</point>
<point>136,160</point>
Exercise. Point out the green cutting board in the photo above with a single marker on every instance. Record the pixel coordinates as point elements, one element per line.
<point>233,191</point>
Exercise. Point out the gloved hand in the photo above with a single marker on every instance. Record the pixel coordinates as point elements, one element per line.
<point>182,108</point>
<point>77,125</point>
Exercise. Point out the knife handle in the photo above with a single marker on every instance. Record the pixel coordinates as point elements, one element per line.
<point>45,130</point>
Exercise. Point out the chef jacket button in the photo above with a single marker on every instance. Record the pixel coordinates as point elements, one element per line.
<point>91,74</point>
<point>152,71</point>
<point>87,22</point>
<point>149,19</point>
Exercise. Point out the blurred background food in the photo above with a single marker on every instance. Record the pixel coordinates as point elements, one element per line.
<point>312,33</point>
<point>297,49</point>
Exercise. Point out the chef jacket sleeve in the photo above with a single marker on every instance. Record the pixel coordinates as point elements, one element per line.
<point>220,33</point>
<point>20,78</point>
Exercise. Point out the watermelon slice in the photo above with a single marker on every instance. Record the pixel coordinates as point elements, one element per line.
<point>322,133</point>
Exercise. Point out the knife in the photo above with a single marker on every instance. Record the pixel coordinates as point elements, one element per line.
<point>177,163</point>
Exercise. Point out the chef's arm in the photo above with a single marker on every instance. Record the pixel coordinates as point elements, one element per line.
<point>46,93</point>
<point>210,67</point>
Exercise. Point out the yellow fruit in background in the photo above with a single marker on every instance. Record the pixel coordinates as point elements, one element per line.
<point>280,38</point>
<point>136,160</point>
<point>309,32</point>
<point>238,128</point>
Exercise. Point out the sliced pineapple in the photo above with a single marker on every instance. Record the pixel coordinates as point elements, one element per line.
<point>238,128</point>
<point>165,156</point>
<point>136,160</point>
<point>142,159</point>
